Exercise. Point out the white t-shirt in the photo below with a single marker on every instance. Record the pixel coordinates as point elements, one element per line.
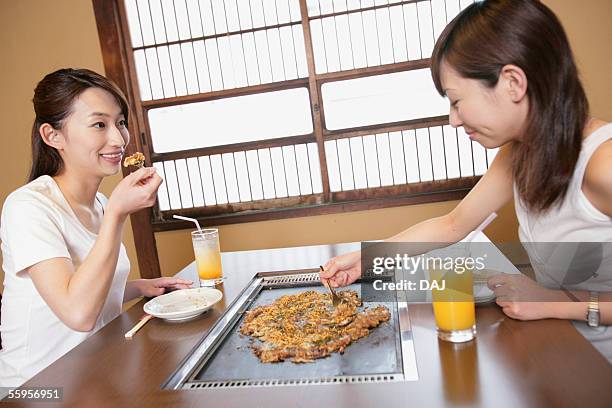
<point>38,224</point>
<point>571,240</point>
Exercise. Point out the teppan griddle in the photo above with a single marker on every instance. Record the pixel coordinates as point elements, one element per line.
<point>224,359</point>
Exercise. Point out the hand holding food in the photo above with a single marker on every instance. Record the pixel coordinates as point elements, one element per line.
<point>136,191</point>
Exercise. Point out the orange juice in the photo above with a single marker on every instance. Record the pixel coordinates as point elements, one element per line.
<point>454,315</point>
<point>208,261</point>
<point>454,305</point>
<point>207,256</point>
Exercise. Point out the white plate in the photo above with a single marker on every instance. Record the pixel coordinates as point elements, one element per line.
<point>183,304</point>
<point>482,293</point>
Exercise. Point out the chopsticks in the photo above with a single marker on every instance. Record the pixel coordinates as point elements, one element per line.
<point>143,320</point>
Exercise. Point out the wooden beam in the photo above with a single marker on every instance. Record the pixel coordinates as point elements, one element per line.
<point>315,100</point>
<point>371,71</point>
<point>363,9</point>
<point>407,190</point>
<point>226,93</point>
<point>236,147</point>
<point>220,35</point>
<point>246,207</point>
<point>313,210</point>
<point>387,127</point>
<point>111,33</point>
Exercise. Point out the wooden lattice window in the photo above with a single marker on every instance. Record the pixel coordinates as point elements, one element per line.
<point>260,109</point>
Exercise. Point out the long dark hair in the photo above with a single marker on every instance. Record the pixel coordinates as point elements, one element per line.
<point>53,99</point>
<point>490,34</point>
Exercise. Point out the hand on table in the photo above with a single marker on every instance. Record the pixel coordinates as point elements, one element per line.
<point>522,298</point>
<point>342,270</point>
<point>158,286</point>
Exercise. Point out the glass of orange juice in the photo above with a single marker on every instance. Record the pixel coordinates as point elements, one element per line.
<point>453,300</point>
<point>208,256</point>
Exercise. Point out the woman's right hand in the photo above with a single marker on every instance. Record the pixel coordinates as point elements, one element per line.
<point>136,191</point>
<point>342,270</point>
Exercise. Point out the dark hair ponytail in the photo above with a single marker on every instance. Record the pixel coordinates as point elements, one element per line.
<point>53,99</point>
<point>45,159</point>
<point>490,34</point>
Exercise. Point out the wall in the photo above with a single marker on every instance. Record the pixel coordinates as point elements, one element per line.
<point>588,27</point>
<point>39,36</point>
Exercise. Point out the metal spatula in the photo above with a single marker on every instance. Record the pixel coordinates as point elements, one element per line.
<point>336,300</point>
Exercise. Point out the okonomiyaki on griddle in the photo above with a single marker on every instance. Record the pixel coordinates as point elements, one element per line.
<point>306,326</point>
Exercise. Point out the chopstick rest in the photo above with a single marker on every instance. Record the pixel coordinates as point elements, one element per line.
<point>143,320</point>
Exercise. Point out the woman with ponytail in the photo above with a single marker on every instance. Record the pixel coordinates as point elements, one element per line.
<point>508,71</point>
<point>65,266</point>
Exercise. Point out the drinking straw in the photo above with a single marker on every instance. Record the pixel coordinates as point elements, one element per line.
<point>481,227</point>
<point>180,217</point>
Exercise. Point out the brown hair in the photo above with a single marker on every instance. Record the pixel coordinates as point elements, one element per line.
<point>53,99</point>
<point>490,34</point>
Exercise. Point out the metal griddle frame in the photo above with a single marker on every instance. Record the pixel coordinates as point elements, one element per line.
<point>184,376</point>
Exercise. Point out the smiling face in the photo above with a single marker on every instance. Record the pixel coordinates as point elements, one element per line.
<point>490,116</point>
<point>93,137</point>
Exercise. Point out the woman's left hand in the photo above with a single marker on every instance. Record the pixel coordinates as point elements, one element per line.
<point>157,286</point>
<point>522,298</point>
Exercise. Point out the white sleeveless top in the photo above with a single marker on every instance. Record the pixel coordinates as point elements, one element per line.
<point>584,260</point>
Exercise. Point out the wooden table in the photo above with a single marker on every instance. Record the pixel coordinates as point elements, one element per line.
<point>511,364</point>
